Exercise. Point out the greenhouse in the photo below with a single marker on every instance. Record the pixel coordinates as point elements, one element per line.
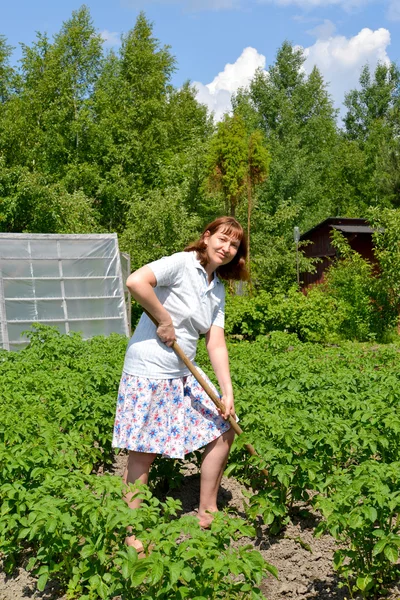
<point>73,282</point>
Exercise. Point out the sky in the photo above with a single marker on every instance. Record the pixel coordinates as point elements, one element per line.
<point>218,44</point>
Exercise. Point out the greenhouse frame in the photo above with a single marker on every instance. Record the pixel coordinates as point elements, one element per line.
<point>71,281</point>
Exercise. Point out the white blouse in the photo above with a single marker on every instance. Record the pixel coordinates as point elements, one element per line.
<point>194,305</point>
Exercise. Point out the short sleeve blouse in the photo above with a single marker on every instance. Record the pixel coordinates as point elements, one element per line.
<point>194,305</point>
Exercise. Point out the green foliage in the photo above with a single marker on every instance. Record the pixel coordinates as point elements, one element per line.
<point>83,133</point>
<point>387,251</point>
<point>31,204</point>
<point>156,226</point>
<point>372,124</point>
<point>351,283</point>
<point>375,100</point>
<point>57,411</point>
<point>361,509</point>
<point>297,117</point>
<point>312,317</point>
<point>323,419</point>
<point>228,160</point>
<point>6,72</point>
<point>274,258</point>
<point>358,300</point>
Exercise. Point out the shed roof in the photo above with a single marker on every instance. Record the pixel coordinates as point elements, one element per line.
<point>354,228</point>
<point>350,225</point>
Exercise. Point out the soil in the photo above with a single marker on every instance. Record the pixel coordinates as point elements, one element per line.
<point>303,562</point>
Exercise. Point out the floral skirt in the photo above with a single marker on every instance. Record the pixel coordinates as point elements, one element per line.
<point>171,417</point>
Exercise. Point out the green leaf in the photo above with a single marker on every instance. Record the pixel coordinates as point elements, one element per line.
<point>87,551</point>
<point>379,546</point>
<point>41,584</point>
<point>175,572</point>
<point>378,533</point>
<point>187,574</point>
<point>156,572</point>
<point>272,569</point>
<point>372,514</point>
<point>139,574</point>
<point>392,553</point>
<point>102,589</point>
<point>231,467</point>
<point>365,583</point>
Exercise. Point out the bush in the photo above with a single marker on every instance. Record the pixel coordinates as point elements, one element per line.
<point>313,317</point>
<point>353,303</point>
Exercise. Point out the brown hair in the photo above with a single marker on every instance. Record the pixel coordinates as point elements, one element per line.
<point>236,268</point>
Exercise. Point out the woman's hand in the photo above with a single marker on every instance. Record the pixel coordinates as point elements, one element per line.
<point>228,402</point>
<point>166,333</point>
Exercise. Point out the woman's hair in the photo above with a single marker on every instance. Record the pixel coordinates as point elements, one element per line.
<point>236,268</point>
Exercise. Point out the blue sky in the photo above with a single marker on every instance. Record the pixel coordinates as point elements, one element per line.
<point>219,43</point>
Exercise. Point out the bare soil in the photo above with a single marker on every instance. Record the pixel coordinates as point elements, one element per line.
<point>303,562</point>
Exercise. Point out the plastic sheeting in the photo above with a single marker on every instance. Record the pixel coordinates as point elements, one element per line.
<point>73,282</point>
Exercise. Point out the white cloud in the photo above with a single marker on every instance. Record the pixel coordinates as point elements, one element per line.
<point>394,10</point>
<point>190,5</point>
<point>309,4</point>
<point>324,31</point>
<point>111,38</point>
<point>217,94</point>
<point>341,59</point>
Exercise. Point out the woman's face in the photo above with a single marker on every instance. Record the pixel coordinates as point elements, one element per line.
<point>221,247</point>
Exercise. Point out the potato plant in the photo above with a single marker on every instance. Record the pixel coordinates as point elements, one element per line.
<point>326,424</point>
<point>57,410</point>
<point>324,420</point>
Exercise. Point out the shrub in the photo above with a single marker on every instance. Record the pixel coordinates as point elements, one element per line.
<point>313,317</point>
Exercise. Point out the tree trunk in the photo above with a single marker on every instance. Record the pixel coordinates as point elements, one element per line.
<point>249,207</point>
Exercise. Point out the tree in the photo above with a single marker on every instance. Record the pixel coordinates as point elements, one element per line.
<point>372,122</point>
<point>377,99</point>
<point>295,114</point>
<point>257,172</point>
<point>6,72</point>
<point>298,119</point>
<point>58,80</point>
<point>228,161</point>
<point>238,162</point>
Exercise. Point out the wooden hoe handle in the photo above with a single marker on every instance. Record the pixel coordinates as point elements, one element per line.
<point>179,352</point>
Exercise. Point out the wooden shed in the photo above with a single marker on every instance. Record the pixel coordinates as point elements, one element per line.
<point>357,232</point>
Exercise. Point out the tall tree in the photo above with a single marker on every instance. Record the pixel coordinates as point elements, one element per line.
<point>6,72</point>
<point>258,162</point>
<point>58,82</point>
<point>228,161</point>
<point>372,123</point>
<point>131,100</point>
<point>297,116</point>
<point>238,161</point>
<point>377,99</point>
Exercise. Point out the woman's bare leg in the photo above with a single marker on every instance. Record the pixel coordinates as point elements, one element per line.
<point>137,469</point>
<point>212,467</point>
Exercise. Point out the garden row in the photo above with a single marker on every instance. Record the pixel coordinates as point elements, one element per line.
<point>66,523</point>
<point>326,422</point>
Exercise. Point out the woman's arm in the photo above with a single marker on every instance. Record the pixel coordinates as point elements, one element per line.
<point>141,284</point>
<point>218,353</point>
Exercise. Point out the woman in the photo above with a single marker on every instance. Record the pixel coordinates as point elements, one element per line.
<point>161,408</point>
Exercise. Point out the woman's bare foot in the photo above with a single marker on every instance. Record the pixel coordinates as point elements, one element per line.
<point>206,518</point>
<point>131,540</point>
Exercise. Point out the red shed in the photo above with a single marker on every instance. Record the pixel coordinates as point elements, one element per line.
<point>357,232</point>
